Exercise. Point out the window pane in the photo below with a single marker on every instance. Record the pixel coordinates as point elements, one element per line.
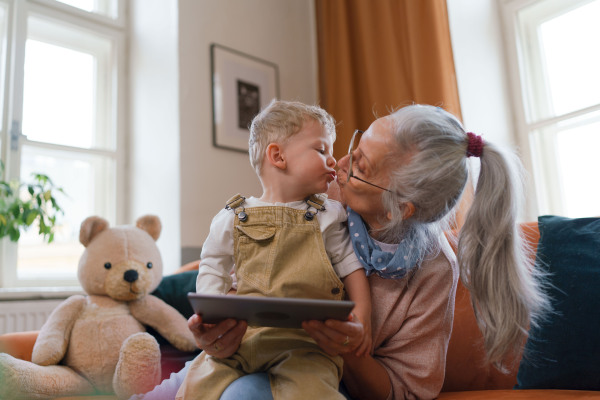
<point>567,161</point>
<point>67,87</point>
<point>572,65</point>
<point>558,56</point>
<point>88,181</point>
<point>108,8</point>
<point>59,95</point>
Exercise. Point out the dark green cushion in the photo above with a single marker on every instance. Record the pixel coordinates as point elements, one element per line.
<point>564,351</point>
<point>173,290</point>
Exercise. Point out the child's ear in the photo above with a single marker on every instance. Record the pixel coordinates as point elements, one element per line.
<point>275,157</point>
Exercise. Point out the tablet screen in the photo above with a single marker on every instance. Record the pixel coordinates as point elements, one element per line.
<point>268,311</point>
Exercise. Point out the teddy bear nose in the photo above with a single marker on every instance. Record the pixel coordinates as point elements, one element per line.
<point>131,275</point>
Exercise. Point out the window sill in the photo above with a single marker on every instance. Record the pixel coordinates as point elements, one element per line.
<point>38,293</point>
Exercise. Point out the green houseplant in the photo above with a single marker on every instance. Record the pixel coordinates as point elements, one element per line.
<point>24,203</point>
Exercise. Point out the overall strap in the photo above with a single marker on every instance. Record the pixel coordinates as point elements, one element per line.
<point>236,205</point>
<point>315,202</point>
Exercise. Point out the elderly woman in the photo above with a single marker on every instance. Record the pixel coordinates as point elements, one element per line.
<point>401,181</point>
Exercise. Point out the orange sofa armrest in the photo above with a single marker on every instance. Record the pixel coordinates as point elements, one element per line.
<point>18,344</point>
<point>191,266</point>
<point>531,232</point>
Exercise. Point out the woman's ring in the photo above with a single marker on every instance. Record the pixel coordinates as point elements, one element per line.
<point>347,341</point>
<point>216,346</point>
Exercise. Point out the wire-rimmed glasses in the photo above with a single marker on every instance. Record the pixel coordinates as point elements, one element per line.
<point>353,146</point>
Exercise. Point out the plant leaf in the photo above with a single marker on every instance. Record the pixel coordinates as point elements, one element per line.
<point>30,217</point>
<point>14,234</point>
<point>20,211</point>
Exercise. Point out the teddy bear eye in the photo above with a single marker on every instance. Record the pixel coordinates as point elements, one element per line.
<point>107,265</point>
<point>149,265</point>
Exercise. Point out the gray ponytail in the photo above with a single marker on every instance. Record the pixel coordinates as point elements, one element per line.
<point>505,289</point>
<point>495,261</point>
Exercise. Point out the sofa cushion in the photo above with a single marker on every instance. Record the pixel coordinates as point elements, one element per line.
<point>564,351</point>
<point>173,290</point>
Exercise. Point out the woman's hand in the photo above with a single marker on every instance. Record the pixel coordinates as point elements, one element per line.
<point>219,340</point>
<point>336,337</point>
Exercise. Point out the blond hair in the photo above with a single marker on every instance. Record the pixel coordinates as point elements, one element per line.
<point>279,121</point>
<point>506,290</point>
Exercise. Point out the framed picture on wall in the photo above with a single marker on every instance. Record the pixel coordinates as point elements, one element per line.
<point>241,86</point>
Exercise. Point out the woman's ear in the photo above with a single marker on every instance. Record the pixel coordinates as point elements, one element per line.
<point>274,155</point>
<point>408,210</point>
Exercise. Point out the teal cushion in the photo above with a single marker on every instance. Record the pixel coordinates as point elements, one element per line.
<point>173,290</point>
<point>564,351</point>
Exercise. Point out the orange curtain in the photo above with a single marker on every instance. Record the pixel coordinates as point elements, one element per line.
<point>379,55</point>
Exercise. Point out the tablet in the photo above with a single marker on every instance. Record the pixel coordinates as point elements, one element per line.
<point>268,311</point>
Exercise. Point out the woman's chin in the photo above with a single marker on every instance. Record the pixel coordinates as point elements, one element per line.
<point>335,192</point>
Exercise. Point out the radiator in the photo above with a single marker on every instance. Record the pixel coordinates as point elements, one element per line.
<point>19,316</point>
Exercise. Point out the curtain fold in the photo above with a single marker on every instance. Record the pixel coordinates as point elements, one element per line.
<point>375,56</point>
<point>379,55</point>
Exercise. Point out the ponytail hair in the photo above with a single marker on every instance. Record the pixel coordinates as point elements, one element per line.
<point>429,168</point>
<point>495,260</point>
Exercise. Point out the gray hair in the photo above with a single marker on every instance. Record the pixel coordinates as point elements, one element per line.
<point>506,290</point>
<point>279,121</point>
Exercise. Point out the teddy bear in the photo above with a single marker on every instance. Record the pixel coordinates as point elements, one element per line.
<point>96,343</point>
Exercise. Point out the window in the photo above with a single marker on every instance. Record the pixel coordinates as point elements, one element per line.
<point>108,8</point>
<point>554,60</point>
<point>64,119</point>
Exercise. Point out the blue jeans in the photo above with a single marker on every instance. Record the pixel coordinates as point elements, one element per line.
<point>248,387</point>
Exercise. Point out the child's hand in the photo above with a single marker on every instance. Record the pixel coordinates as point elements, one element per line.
<point>219,340</point>
<point>364,348</point>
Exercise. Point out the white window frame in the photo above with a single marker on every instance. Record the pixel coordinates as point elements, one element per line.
<point>114,30</point>
<point>525,120</point>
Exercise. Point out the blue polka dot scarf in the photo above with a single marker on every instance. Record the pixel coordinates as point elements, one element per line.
<point>376,261</point>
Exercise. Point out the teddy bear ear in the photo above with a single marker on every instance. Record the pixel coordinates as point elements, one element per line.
<point>90,227</point>
<point>151,224</point>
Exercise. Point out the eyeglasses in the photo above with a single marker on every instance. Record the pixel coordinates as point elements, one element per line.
<point>351,149</point>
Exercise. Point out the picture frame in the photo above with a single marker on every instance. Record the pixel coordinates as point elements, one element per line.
<point>242,85</point>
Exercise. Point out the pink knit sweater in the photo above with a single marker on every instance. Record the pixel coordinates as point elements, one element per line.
<point>411,322</point>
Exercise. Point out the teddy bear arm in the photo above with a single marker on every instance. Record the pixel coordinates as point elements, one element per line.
<point>166,320</point>
<point>53,339</point>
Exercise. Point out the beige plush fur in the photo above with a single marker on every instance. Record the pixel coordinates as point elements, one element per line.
<point>97,343</point>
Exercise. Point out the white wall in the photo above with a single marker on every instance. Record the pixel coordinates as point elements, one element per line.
<point>279,31</point>
<point>154,143</point>
<point>480,65</point>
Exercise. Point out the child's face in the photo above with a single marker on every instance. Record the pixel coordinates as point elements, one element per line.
<point>309,160</point>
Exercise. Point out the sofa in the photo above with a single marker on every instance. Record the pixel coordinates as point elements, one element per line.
<point>569,247</point>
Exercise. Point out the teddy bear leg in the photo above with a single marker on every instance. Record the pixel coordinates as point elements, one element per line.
<point>138,369</point>
<point>25,380</point>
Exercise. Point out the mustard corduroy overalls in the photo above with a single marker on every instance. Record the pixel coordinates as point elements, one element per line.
<point>278,252</point>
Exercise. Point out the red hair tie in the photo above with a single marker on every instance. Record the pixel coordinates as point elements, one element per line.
<point>475,147</point>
